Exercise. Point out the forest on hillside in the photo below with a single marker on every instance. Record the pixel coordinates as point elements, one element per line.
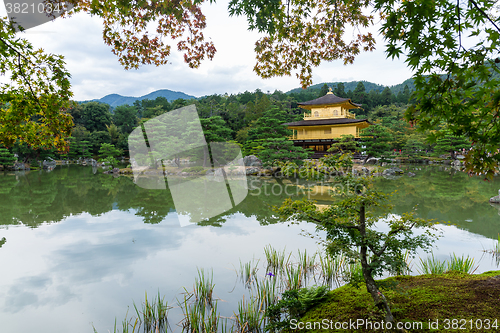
<point>253,120</point>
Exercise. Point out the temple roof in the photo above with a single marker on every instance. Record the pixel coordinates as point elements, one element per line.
<point>329,99</point>
<point>320,122</point>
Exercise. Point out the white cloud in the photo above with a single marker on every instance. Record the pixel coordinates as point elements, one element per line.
<point>96,71</point>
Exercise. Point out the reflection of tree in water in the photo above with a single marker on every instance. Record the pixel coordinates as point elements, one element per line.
<point>261,198</point>
<point>36,198</point>
<point>152,205</point>
<point>446,195</point>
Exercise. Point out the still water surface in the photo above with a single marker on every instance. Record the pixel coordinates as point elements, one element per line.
<point>80,248</point>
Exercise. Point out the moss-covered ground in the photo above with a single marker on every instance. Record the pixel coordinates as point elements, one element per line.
<point>451,302</point>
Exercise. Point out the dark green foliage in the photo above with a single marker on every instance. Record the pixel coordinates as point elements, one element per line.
<point>376,140</point>
<point>77,112</point>
<point>6,157</point>
<point>256,110</point>
<point>403,97</point>
<point>282,150</point>
<point>323,91</point>
<point>270,125</point>
<point>386,97</point>
<point>215,129</point>
<point>359,94</point>
<point>340,90</point>
<point>456,71</point>
<point>293,305</point>
<point>97,139</point>
<point>109,153</point>
<point>78,148</point>
<point>451,143</point>
<point>96,116</point>
<point>83,149</point>
<point>254,147</point>
<point>413,148</point>
<point>345,144</point>
<point>125,117</point>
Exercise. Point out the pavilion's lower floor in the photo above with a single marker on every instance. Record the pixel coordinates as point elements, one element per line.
<point>319,146</point>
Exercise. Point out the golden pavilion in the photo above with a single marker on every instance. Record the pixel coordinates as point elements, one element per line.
<point>327,119</point>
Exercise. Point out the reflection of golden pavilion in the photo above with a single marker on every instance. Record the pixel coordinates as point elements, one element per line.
<point>328,120</point>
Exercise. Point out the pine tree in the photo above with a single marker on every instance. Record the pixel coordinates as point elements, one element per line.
<point>270,125</point>
<point>451,143</point>
<point>282,150</point>
<point>340,90</point>
<point>386,97</point>
<point>359,94</point>
<point>6,157</point>
<point>376,141</point>
<point>413,148</point>
<point>323,91</point>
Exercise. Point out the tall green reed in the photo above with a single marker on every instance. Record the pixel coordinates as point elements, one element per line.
<point>461,264</point>
<point>276,261</point>
<point>248,272</point>
<point>331,268</point>
<point>250,316</point>
<point>199,306</point>
<point>431,265</point>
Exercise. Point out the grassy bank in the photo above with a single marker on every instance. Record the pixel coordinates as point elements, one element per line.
<point>467,301</point>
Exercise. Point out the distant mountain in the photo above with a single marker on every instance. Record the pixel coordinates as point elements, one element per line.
<point>369,86</point>
<point>115,100</point>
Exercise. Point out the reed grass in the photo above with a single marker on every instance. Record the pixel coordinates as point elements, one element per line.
<point>495,252</point>
<point>204,288</point>
<point>267,291</point>
<point>306,264</point>
<point>461,264</point>
<point>352,271</point>
<point>199,307</point>
<point>431,265</point>
<point>331,268</point>
<point>293,277</point>
<point>153,315</point>
<point>276,260</point>
<point>250,316</point>
<point>248,272</point>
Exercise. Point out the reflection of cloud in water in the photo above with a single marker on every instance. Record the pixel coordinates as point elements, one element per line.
<point>96,252</point>
<point>35,291</point>
<point>93,250</point>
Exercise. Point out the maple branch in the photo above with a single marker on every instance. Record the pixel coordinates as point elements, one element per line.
<point>19,56</point>
<point>484,14</point>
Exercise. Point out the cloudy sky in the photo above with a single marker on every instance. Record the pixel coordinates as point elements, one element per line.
<point>96,71</point>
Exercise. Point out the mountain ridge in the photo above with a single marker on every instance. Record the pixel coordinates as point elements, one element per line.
<point>351,85</point>
<point>115,100</point>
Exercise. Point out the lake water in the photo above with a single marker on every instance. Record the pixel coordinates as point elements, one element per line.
<point>81,248</point>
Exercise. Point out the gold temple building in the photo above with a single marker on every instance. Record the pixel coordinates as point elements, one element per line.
<point>327,120</point>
